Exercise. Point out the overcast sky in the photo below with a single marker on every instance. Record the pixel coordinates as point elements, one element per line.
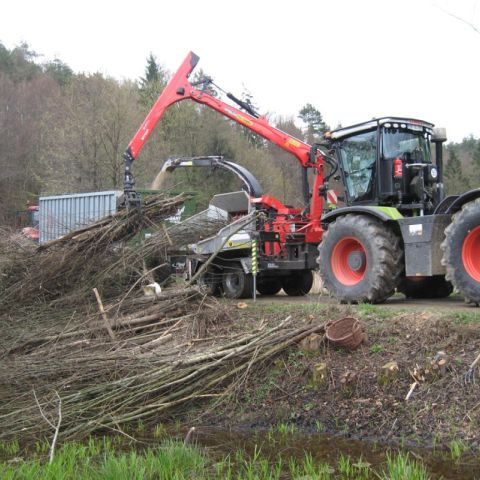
<point>353,60</point>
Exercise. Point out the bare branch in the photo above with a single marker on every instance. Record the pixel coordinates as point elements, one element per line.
<point>57,428</point>
<point>460,19</point>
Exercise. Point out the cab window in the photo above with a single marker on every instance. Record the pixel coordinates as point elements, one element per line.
<point>358,154</point>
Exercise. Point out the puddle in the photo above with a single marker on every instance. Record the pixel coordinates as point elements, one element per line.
<point>326,448</point>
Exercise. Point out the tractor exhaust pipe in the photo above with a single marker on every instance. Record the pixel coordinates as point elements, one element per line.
<point>438,138</point>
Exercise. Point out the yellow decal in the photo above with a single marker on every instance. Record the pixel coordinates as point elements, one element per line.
<point>244,120</point>
<point>189,163</point>
<point>292,142</point>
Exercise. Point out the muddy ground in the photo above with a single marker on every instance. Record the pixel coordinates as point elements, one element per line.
<point>353,402</point>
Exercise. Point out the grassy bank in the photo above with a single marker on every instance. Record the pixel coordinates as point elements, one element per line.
<point>107,459</point>
<point>354,400</point>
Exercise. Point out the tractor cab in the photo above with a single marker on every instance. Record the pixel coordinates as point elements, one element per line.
<point>388,162</point>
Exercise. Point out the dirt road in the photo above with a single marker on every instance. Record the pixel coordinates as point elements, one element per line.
<point>395,302</point>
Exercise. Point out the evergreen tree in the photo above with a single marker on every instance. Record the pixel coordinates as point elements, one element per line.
<point>255,140</point>
<point>315,126</point>
<point>476,165</point>
<point>153,83</point>
<point>455,180</point>
<point>19,63</point>
<point>152,70</point>
<point>59,70</point>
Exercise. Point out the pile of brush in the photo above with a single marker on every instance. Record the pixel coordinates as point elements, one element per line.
<point>83,348</point>
<point>147,364</point>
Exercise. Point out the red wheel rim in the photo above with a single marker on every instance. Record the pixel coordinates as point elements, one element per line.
<point>341,267</point>
<point>471,253</point>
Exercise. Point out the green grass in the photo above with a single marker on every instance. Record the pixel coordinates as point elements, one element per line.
<point>319,426</point>
<point>286,308</point>
<point>286,428</point>
<point>376,348</point>
<point>369,310</point>
<point>400,467</point>
<point>98,459</point>
<point>9,448</point>
<point>159,430</point>
<point>358,470</point>
<point>171,460</point>
<point>263,389</point>
<point>457,448</point>
<point>464,318</point>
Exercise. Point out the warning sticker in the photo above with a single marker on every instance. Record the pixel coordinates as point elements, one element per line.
<point>416,229</point>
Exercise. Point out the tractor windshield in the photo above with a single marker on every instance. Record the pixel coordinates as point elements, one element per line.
<point>358,154</point>
<point>397,143</point>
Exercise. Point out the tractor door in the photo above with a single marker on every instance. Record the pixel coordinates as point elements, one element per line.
<point>358,159</point>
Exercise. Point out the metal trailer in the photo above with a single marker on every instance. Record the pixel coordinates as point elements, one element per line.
<point>61,214</point>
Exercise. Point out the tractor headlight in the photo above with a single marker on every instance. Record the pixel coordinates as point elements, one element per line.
<point>433,173</point>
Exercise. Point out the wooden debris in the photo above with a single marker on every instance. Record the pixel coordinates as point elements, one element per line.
<point>348,378</point>
<point>104,315</point>
<point>412,388</point>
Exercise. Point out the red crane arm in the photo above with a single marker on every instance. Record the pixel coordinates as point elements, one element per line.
<point>178,83</point>
<point>179,88</point>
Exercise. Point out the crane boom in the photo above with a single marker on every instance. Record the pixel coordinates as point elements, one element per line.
<point>179,88</point>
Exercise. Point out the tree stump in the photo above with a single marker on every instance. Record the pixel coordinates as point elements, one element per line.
<point>311,344</point>
<point>319,376</point>
<point>437,367</point>
<point>388,373</point>
<point>348,382</point>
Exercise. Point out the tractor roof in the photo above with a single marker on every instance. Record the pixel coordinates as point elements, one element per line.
<point>389,122</point>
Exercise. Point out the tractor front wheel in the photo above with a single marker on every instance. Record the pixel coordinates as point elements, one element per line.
<point>461,251</point>
<point>360,260</point>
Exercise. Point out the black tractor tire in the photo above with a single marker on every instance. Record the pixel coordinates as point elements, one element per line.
<point>236,283</point>
<point>269,286</point>
<point>461,251</point>
<point>426,287</point>
<point>360,259</point>
<point>298,284</point>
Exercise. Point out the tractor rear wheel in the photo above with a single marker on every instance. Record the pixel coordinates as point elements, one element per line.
<point>426,287</point>
<point>298,284</point>
<point>269,286</point>
<point>360,260</point>
<point>236,283</point>
<point>461,251</point>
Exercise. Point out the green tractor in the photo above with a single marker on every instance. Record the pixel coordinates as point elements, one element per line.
<point>397,230</point>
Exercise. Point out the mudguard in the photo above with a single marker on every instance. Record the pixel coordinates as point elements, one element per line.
<point>384,214</point>
<point>455,202</point>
